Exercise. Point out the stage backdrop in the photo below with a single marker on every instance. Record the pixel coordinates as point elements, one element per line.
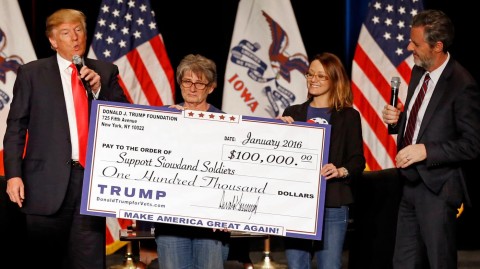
<point>332,26</point>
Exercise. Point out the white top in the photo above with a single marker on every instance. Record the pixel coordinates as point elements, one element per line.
<point>66,76</point>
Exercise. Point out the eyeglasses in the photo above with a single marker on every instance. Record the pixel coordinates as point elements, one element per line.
<point>320,77</point>
<point>198,85</point>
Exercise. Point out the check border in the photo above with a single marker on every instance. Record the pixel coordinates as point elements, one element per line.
<point>90,177</point>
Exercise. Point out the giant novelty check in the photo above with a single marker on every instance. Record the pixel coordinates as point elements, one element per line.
<point>204,169</point>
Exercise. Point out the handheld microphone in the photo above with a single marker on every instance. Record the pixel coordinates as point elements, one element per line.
<point>77,61</point>
<point>394,99</point>
<point>395,85</point>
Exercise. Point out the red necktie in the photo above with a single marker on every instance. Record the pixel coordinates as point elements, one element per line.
<point>412,118</point>
<point>81,113</point>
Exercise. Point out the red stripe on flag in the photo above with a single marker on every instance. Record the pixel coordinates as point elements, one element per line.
<point>144,78</point>
<point>372,164</point>
<point>124,223</point>
<point>405,71</point>
<point>127,94</point>
<point>108,236</point>
<point>375,123</point>
<point>2,170</point>
<point>372,72</point>
<point>162,57</point>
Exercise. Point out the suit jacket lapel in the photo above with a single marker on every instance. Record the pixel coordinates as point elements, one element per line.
<point>438,93</point>
<point>55,92</point>
<point>417,74</point>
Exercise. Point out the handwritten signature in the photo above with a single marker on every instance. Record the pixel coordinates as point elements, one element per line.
<point>237,204</point>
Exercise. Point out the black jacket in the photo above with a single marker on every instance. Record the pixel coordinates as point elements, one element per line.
<point>38,106</point>
<point>346,149</point>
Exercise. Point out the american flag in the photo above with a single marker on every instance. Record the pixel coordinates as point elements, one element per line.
<point>126,34</point>
<point>381,54</point>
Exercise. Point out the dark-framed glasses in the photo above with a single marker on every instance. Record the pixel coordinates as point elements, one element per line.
<point>320,77</point>
<point>198,85</point>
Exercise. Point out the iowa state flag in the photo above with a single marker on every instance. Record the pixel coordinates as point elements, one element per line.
<point>15,49</point>
<point>267,60</point>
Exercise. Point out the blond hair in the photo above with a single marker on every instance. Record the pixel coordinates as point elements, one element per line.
<point>64,16</point>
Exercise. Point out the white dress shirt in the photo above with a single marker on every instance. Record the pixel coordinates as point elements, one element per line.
<point>434,76</point>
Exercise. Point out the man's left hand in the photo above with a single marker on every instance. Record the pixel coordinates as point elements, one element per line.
<point>410,154</point>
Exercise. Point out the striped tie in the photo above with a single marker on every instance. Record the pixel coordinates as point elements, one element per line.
<point>412,118</point>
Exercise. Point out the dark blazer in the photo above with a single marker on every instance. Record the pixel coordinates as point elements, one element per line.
<point>450,129</point>
<point>346,149</point>
<point>38,106</point>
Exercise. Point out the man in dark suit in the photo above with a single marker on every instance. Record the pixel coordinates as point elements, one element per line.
<point>436,137</point>
<point>41,148</point>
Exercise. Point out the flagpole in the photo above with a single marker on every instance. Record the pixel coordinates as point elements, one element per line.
<point>267,262</point>
<point>129,261</point>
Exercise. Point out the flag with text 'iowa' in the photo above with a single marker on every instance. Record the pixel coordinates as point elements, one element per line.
<point>267,60</point>
<point>126,34</point>
<point>15,49</point>
<point>381,54</point>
